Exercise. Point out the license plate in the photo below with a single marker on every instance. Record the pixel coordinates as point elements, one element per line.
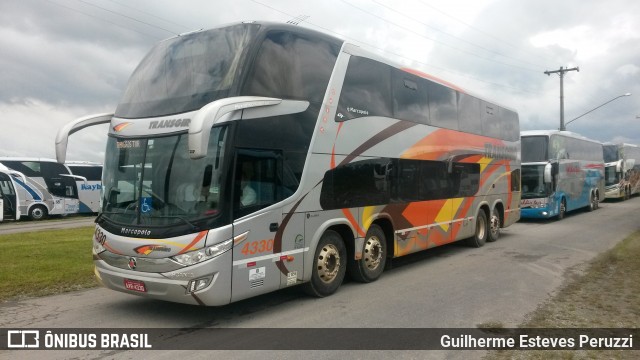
<point>134,285</point>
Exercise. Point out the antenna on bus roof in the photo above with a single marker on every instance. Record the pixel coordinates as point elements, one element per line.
<point>298,19</point>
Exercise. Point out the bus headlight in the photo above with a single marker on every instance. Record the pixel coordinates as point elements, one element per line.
<point>198,256</point>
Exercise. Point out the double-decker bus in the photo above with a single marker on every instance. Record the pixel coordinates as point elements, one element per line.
<point>622,170</point>
<point>9,197</point>
<point>45,187</point>
<point>89,182</point>
<point>561,171</point>
<point>257,156</point>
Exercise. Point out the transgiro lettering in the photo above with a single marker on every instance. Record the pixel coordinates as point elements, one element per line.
<point>169,123</point>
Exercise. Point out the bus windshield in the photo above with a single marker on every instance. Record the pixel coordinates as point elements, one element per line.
<point>152,181</point>
<point>535,148</point>
<point>610,176</point>
<point>533,186</point>
<point>610,153</point>
<point>186,72</point>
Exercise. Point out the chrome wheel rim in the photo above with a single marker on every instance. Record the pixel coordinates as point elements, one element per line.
<point>328,263</point>
<point>373,253</point>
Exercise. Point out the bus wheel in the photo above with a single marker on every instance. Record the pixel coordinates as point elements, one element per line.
<point>329,265</point>
<point>494,226</point>
<point>482,231</point>
<point>374,255</point>
<point>38,212</point>
<point>563,209</point>
<point>592,202</point>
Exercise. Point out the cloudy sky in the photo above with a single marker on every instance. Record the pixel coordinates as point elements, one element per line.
<point>64,59</point>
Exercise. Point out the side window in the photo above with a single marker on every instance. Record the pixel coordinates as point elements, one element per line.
<point>443,105</point>
<point>511,125</point>
<point>469,114</point>
<point>360,183</point>
<point>515,180</point>
<point>491,125</point>
<point>466,179</point>
<point>410,97</point>
<point>434,181</point>
<point>366,90</point>
<point>257,181</point>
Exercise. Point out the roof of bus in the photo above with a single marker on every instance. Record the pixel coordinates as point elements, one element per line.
<point>555,132</point>
<point>356,50</point>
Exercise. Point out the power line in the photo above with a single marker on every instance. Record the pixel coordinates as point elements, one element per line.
<point>126,16</point>
<point>102,19</point>
<point>453,36</point>
<point>437,41</point>
<point>483,32</point>
<point>288,15</point>
<point>152,15</point>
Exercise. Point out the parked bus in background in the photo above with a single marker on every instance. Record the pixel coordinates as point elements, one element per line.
<point>89,183</point>
<point>622,170</point>
<point>276,155</point>
<point>561,171</point>
<point>9,198</point>
<point>44,186</point>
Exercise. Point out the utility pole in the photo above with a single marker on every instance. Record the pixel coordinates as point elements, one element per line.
<point>561,72</point>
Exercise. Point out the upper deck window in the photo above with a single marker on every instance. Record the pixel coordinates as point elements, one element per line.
<point>187,72</point>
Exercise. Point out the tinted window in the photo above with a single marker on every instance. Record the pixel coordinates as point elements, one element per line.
<point>469,118</point>
<point>443,106</point>
<point>410,97</point>
<point>491,120</point>
<point>384,181</point>
<point>292,66</point>
<point>366,90</point>
<point>91,173</point>
<point>186,72</point>
<point>515,180</point>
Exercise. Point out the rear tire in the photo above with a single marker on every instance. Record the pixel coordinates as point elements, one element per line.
<point>374,256</point>
<point>38,212</point>
<point>482,231</point>
<point>592,202</point>
<point>329,265</point>
<point>494,226</point>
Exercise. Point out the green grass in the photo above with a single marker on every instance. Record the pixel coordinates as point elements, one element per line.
<point>45,262</point>
<point>605,295</point>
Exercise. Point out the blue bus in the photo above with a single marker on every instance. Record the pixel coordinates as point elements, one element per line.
<point>561,171</point>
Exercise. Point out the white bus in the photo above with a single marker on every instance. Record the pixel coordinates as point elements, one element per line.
<point>44,186</point>
<point>9,197</point>
<point>273,155</point>
<point>561,171</point>
<point>622,170</point>
<point>89,182</point>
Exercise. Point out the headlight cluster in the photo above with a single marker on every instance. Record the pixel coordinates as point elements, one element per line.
<point>209,252</point>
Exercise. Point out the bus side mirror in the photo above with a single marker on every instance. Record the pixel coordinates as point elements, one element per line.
<point>62,138</point>
<point>548,175</point>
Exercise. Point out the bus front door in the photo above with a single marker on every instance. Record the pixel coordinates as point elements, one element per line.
<point>8,199</point>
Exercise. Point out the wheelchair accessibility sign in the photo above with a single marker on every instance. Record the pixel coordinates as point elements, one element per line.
<point>145,205</point>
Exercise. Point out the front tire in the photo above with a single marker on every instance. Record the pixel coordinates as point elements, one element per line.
<point>562,211</point>
<point>329,265</point>
<point>374,255</point>
<point>38,212</point>
<point>482,231</point>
